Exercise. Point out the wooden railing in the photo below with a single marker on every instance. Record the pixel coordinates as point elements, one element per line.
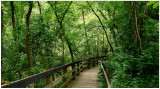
<point>107,75</point>
<point>77,67</point>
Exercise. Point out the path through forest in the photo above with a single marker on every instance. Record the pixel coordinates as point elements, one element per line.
<point>86,79</point>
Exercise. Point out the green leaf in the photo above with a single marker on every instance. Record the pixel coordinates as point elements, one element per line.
<point>150,3</point>
<point>156,5</point>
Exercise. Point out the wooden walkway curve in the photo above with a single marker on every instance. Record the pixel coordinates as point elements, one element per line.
<point>86,79</point>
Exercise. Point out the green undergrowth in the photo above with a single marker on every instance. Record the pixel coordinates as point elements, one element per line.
<point>130,72</point>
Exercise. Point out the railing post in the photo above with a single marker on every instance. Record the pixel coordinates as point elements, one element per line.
<point>93,62</point>
<point>53,77</point>
<point>73,65</point>
<point>78,68</point>
<point>81,66</point>
<point>97,61</point>
<point>88,63</point>
<point>48,78</point>
<point>64,78</point>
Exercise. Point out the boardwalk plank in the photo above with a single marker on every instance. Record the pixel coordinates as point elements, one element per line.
<point>86,79</point>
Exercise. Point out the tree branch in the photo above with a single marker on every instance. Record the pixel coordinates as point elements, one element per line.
<point>143,14</point>
<point>55,11</point>
<point>47,46</point>
<point>128,10</point>
<point>65,12</point>
<point>102,27</point>
<point>103,15</point>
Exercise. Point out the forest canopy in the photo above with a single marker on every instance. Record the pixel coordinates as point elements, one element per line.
<point>39,35</point>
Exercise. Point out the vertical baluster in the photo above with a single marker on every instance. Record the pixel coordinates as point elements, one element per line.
<point>73,66</point>
<point>64,78</point>
<point>78,68</point>
<point>93,61</point>
<point>49,79</point>
<point>88,63</point>
<point>82,65</point>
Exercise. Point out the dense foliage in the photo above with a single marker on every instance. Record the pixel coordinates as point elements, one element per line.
<point>128,67</point>
<point>39,35</point>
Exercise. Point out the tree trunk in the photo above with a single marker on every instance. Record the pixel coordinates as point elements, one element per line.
<point>103,46</point>
<point>102,27</point>
<point>65,69</point>
<point>40,12</point>
<point>136,26</point>
<point>39,7</point>
<point>71,52</point>
<point>63,51</point>
<point>98,45</point>
<point>2,26</point>
<point>13,20</point>
<point>143,19</point>
<point>28,37</point>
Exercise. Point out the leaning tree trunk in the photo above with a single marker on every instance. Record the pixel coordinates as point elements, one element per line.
<point>71,53</point>
<point>70,50</point>
<point>28,37</point>
<point>39,7</point>
<point>102,27</point>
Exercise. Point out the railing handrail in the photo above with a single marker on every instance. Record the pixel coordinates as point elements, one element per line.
<point>28,80</point>
<point>105,75</point>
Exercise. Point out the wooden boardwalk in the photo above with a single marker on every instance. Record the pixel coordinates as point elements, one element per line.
<point>86,79</point>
